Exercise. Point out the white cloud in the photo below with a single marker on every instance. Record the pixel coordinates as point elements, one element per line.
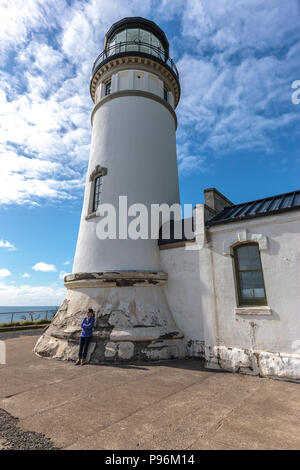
<point>235,24</point>
<point>25,275</point>
<point>45,104</point>
<point>62,274</point>
<point>190,163</point>
<point>239,55</point>
<point>66,263</point>
<point>19,18</point>
<point>8,245</point>
<point>31,295</point>
<point>4,272</point>
<point>44,153</point>
<point>235,106</point>
<point>242,60</point>
<point>25,179</point>
<point>44,267</point>
<point>89,22</point>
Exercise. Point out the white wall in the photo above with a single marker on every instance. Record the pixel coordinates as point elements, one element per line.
<point>134,138</point>
<point>281,268</point>
<point>183,290</point>
<point>201,293</point>
<point>134,79</point>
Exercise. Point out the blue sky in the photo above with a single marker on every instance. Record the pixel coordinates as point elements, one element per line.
<point>238,129</point>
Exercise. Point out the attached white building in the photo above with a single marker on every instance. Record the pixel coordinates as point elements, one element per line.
<point>234,290</point>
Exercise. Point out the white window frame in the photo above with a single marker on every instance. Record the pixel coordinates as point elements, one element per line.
<point>98,171</point>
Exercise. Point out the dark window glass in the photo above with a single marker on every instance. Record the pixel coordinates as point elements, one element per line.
<point>107,88</point>
<point>165,94</point>
<point>97,192</point>
<point>249,275</point>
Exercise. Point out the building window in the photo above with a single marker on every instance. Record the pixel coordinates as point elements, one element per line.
<point>96,180</point>
<point>97,192</point>
<point>107,88</point>
<point>165,94</point>
<point>249,275</point>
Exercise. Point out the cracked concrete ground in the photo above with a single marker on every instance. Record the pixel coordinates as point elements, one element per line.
<point>174,405</point>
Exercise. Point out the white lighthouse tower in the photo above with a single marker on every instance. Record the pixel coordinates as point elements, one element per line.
<point>135,89</point>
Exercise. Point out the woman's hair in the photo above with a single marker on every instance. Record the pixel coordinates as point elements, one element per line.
<point>90,310</point>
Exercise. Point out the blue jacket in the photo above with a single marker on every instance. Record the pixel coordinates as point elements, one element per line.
<point>87,327</point>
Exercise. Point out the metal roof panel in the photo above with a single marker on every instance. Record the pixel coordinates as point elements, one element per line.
<point>259,208</point>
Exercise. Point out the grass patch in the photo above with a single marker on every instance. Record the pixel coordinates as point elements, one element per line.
<point>25,323</point>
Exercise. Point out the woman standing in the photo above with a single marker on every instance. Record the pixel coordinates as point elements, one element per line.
<point>86,336</point>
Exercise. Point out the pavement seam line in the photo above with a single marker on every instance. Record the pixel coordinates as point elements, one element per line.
<point>221,421</point>
<point>78,398</point>
<point>47,384</point>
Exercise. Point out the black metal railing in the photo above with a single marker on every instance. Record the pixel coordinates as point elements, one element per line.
<point>132,47</point>
<point>28,315</point>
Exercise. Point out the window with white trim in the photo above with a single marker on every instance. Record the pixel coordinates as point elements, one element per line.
<point>96,180</point>
<point>249,275</point>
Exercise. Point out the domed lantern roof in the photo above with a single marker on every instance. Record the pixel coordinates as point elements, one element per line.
<point>146,31</point>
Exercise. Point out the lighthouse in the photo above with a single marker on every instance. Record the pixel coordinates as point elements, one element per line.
<point>135,89</point>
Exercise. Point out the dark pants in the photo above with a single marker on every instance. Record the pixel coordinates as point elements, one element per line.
<point>83,347</point>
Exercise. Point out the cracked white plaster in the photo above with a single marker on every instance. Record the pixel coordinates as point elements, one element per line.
<point>254,362</point>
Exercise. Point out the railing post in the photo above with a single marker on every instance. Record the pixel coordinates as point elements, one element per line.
<point>29,315</point>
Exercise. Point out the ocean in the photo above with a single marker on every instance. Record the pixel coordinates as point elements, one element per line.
<point>40,313</point>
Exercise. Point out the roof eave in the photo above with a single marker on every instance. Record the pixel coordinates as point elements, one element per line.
<point>211,223</point>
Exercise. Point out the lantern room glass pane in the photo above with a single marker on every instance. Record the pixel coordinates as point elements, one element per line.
<point>120,39</point>
<point>155,42</point>
<point>158,51</point>
<point>133,36</point>
<point>145,37</point>
<point>138,36</point>
<point>111,49</point>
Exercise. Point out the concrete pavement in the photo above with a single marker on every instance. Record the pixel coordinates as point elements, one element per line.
<point>174,405</point>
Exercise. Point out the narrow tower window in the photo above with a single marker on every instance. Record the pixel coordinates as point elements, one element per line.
<point>165,94</point>
<point>249,275</point>
<point>97,192</point>
<point>107,88</point>
<point>96,180</point>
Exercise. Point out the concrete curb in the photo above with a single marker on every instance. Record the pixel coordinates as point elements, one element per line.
<point>25,327</point>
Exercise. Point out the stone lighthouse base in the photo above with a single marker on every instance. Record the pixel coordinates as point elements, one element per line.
<point>132,319</point>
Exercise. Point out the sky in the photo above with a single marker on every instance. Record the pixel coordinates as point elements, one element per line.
<point>238,128</point>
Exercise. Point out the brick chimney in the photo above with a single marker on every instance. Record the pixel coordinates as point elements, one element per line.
<point>215,201</point>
